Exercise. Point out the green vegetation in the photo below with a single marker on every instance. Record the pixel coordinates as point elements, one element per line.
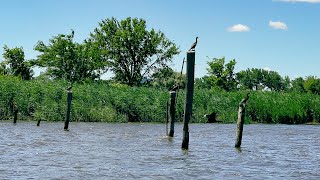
<point>139,58</point>
<point>15,63</point>
<point>100,101</point>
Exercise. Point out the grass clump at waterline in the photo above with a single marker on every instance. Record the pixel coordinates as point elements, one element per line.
<point>44,99</point>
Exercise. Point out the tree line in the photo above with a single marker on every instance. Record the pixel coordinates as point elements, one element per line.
<point>138,56</point>
<point>221,75</point>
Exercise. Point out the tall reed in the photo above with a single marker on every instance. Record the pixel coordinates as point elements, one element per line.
<point>101,101</point>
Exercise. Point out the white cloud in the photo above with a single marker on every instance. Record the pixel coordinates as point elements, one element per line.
<point>266,69</point>
<point>278,25</point>
<point>239,28</point>
<point>303,1</point>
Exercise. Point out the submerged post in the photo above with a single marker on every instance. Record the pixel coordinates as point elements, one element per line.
<point>69,98</point>
<point>189,98</point>
<point>172,111</point>
<point>240,122</point>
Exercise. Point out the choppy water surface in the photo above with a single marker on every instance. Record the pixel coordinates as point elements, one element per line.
<point>141,151</point>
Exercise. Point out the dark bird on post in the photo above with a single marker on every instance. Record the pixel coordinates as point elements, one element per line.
<point>69,88</point>
<point>212,118</point>
<point>193,46</point>
<point>244,100</point>
<point>175,88</point>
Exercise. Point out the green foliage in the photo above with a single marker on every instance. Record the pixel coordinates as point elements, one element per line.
<point>202,83</point>
<point>222,75</point>
<point>259,79</point>
<point>312,85</point>
<point>132,51</point>
<point>68,60</point>
<point>101,101</point>
<point>3,69</point>
<point>166,78</point>
<point>298,85</point>
<point>17,65</point>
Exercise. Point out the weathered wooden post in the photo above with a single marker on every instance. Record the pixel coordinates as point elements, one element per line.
<point>69,98</point>
<point>189,98</point>
<point>167,118</point>
<point>15,113</point>
<point>38,123</point>
<point>240,122</point>
<point>172,111</point>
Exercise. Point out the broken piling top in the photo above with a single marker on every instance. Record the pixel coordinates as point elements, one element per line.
<point>240,121</point>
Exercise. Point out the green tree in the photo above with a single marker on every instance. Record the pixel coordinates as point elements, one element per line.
<point>222,75</point>
<point>287,83</point>
<point>203,82</point>
<point>252,79</point>
<point>167,78</point>
<point>244,79</point>
<point>66,59</point>
<point>273,80</point>
<point>258,79</point>
<point>132,51</point>
<point>18,66</point>
<point>312,85</point>
<point>3,69</point>
<point>298,85</point>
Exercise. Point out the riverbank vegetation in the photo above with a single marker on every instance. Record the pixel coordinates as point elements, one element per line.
<point>139,59</point>
<point>102,101</point>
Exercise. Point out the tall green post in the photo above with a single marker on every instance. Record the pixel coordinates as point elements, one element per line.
<point>189,98</point>
<point>172,111</point>
<point>69,99</point>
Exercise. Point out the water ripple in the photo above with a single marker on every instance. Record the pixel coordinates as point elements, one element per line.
<point>141,151</point>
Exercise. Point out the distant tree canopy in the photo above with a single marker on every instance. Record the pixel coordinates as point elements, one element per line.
<point>132,51</point>
<point>298,85</point>
<point>258,79</point>
<point>312,85</point>
<point>68,60</point>
<point>17,65</point>
<point>167,78</point>
<point>221,75</point>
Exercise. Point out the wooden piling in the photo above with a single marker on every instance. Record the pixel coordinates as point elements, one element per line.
<point>15,113</point>
<point>240,122</point>
<point>167,118</point>
<point>69,99</point>
<point>189,98</point>
<point>38,124</point>
<point>172,111</point>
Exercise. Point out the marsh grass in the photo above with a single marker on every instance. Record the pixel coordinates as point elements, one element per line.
<point>104,102</point>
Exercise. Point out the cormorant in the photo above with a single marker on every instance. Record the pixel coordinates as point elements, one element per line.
<point>175,88</point>
<point>69,88</point>
<point>211,117</point>
<point>193,46</point>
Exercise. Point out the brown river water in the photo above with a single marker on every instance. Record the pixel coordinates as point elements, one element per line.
<point>142,151</point>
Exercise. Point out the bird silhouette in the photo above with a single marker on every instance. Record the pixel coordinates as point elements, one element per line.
<point>193,46</point>
<point>175,88</point>
<point>212,118</point>
<point>69,88</point>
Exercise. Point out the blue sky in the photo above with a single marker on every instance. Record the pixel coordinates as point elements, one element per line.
<point>281,35</point>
